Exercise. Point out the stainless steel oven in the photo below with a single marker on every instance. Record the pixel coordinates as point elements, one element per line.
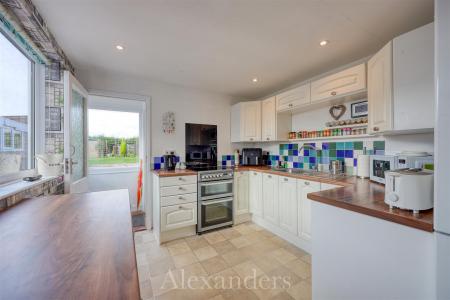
<point>215,199</point>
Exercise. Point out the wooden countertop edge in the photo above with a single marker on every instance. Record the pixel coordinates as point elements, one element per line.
<point>418,224</point>
<point>163,173</point>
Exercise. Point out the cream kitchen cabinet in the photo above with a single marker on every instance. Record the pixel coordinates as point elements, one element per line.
<point>255,193</point>
<point>401,84</point>
<point>246,122</point>
<point>344,83</point>
<point>274,126</point>
<point>304,187</point>
<point>294,98</point>
<point>287,198</point>
<point>241,197</point>
<point>270,198</point>
<point>177,216</point>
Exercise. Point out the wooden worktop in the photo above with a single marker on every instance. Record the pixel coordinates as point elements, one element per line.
<point>74,246</point>
<point>173,173</point>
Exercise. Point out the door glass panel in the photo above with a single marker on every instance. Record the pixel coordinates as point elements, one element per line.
<point>217,213</point>
<point>77,135</point>
<point>216,188</point>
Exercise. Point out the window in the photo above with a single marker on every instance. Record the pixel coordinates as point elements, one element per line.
<point>16,109</point>
<point>113,138</point>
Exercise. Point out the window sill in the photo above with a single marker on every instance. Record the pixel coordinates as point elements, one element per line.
<point>17,186</point>
<point>111,170</point>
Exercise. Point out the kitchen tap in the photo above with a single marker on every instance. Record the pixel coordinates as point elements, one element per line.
<point>316,165</point>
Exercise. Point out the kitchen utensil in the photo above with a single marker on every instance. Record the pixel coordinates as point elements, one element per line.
<point>336,167</point>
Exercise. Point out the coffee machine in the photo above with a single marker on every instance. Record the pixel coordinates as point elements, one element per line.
<point>169,161</point>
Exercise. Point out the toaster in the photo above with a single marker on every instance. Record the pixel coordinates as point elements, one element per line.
<point>409,189</point>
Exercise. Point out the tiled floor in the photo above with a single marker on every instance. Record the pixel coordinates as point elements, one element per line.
<point>243,262</point>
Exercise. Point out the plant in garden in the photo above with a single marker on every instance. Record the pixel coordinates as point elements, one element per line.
<point>123,148</point>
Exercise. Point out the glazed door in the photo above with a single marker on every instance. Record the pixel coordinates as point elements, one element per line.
<point>75,135</point>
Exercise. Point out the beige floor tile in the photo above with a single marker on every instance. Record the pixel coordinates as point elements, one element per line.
<point>230,233</point>
<point>174,242</point>
<point>156,253</point>
<point>239,294</point>
<point>300,268</point>
<point>205,253</point>
<point>214,237</point>
<point>227,279</point>
<point>248,269</point>
<point>282,255</point>
<point>267,263</point>
<point>164,283</point>
<point>143,272</point>
<point>178,248</point>
<point>306,258</point>
<point>161,266</point>
<point>255,227</point>
<point>267,234</point>
<point>138,239</point>
<point>184,259</point>
<point>217,297</point>
<point>240,242</point>
<point>235,257</point>
<point>214,265</point>
<point>196,242</point>
<point>282,296</point>
<point>146,290</point>
<point>253,251</point>
<point>243,229</point>
<point>286,274</point>
<point>295,250</point>
<point>300,291</point>
<point>143,247</point>
<point>279,241</point>
<point>224,247</point>
<point>267,288</point>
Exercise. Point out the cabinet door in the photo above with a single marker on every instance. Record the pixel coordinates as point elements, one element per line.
<point>305,187</point>
<point>255,193</point>
<point>413,79</point>
<point>351,80</point>
<point>268,124</point>
<point>241,195</point>
<point>379,92</point>
<point>270,198</point>
<point>294,98</point>
<point>287,198</point>
<point>251,121</point>
<point>177,216</point>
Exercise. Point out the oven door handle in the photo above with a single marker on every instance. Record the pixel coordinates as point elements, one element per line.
<point>216,182</point>
<point>204,203</point>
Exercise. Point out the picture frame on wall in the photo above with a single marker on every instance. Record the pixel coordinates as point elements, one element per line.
<point>359,109</point>
<point>53,120</point>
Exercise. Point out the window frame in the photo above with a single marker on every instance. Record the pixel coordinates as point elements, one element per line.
<point>37,91</point>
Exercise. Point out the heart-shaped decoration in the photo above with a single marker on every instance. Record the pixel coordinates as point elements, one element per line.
<point>337,111</point>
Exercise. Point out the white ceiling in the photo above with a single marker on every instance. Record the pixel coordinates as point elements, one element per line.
<point>220,45</point>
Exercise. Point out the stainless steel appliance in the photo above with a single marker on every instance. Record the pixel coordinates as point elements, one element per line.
<point>252,156</point>
<point>379,164</point>
<point>215,199</point>
<point>409,189</point>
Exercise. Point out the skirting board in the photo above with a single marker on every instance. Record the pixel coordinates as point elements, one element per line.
<point>171,235</point>
<point>287,236</point>
<point>238,219</point>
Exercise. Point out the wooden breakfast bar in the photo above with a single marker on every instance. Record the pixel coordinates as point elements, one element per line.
<point>73,246</point>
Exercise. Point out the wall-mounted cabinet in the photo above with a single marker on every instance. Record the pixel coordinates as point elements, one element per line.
<point>401,84</point>
<point>294,98</point>
<point>344,83</point>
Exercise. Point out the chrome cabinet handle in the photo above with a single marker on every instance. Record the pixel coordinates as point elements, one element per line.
<point>290,104</point>
<point>254,173</point>
<point>376,129</point>
<point>181,198</point>
<point>285,179</point>
<point>270,176</point>
<point>181,178</point>
<point>333,93</point>
<point>268,139</point>
<point>180,188</point>
<point>307,182</point>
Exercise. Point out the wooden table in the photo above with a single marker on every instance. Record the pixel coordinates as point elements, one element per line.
<point>75,246</point>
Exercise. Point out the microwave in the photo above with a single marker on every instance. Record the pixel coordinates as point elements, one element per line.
<point>379,164</point>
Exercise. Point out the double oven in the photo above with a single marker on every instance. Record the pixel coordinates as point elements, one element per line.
<point>215,199</point>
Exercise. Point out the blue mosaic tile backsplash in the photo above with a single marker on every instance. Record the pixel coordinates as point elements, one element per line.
<point>158,162</point>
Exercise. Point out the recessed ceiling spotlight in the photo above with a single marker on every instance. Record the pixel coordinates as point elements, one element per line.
<point>119,47</point>
<point>323,43</point>
<point>255,79</point>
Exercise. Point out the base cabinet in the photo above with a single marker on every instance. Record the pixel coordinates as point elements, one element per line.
<point>177,216</point>
<point>287,198</point>
<point>304,187</point>
<point>255,193</point>
<point>241,197</point>
<point>270,198</point>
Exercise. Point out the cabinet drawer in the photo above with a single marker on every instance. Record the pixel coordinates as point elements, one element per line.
<point>178,189</point>
<point>178,199</point>
<point>177,180</point>
<point>178,216</point>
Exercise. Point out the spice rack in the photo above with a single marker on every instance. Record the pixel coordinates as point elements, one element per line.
<point>336,132</point>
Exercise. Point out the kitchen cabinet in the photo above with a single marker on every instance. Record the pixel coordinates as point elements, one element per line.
<point>241,195</point>
<point>255,193</point>
<point>274,126</point>
<point>401,84</point>
<point>270,198</point>
<point>294,98</point>
<point>177,216</point>
<point>304,187</point>
<point>379,93</point>
<point>246,122</point>
<point>287,198</point>
<point>344,83</point>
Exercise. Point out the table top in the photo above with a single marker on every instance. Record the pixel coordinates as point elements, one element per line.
<point>73,246</point>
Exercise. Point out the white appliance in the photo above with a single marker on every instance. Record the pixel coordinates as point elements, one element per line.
<point>409,189</point>
<point>442,148</point>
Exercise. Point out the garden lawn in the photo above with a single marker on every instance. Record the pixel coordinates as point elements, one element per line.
<point>104,161</point>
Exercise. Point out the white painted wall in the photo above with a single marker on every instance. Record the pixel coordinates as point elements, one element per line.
<point>356,256</point>
<point>189,105</point>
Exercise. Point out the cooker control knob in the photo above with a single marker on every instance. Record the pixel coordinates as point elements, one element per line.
<point>393,197</point>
